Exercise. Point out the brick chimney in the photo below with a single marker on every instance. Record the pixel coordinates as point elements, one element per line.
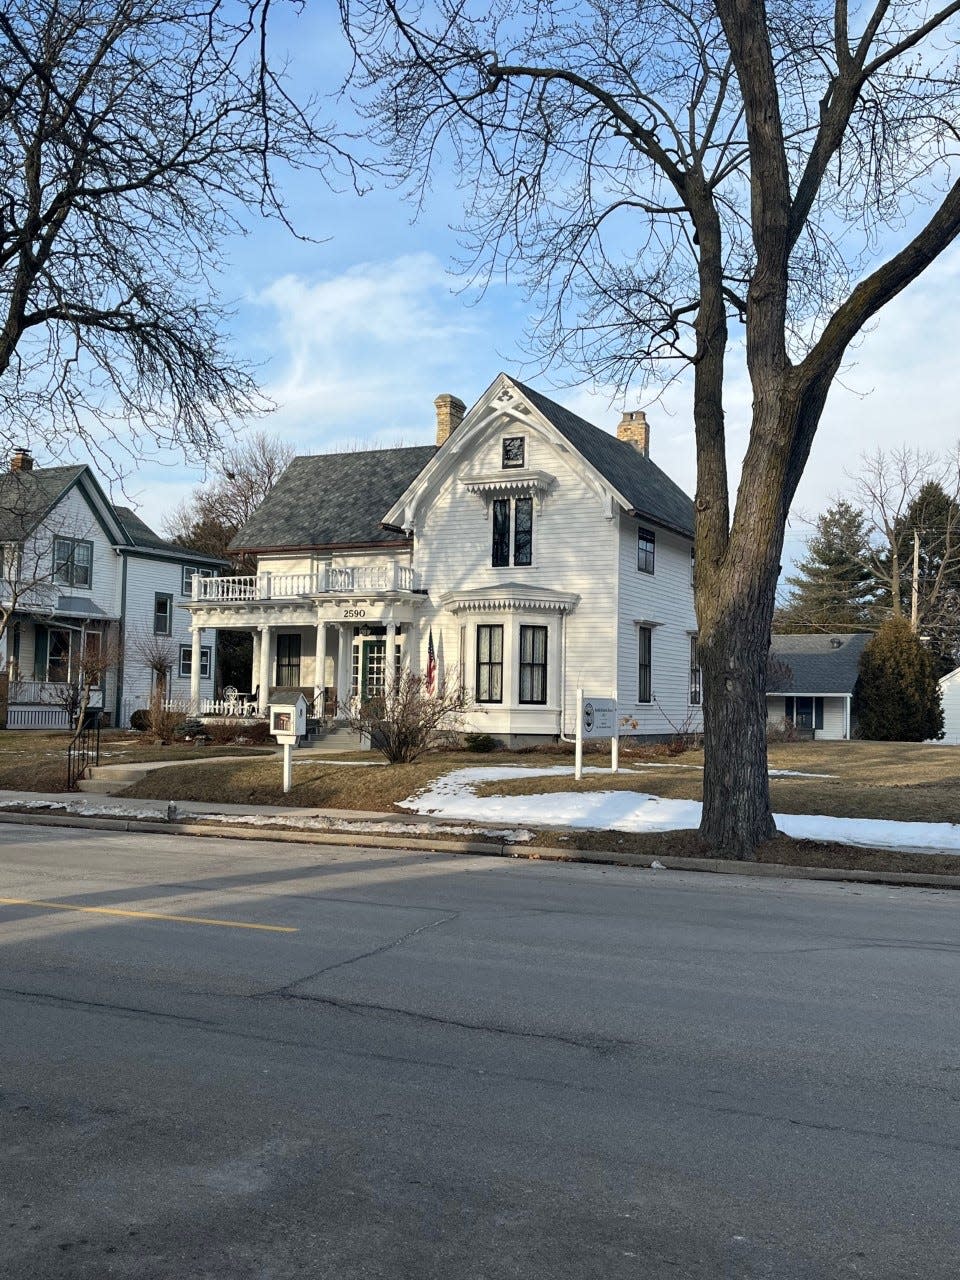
<point>450,413</point>
<point>22,460</point>
<point>634,428</point>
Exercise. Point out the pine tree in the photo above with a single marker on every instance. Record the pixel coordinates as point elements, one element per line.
<point>897,697</point>
<point>833,588</point>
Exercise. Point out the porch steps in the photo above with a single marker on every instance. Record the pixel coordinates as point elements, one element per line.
<point>336,738</point>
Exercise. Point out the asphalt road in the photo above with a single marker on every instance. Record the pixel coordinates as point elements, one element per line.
<point>435,1066</point>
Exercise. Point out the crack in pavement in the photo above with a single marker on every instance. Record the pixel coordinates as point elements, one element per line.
<point>288,987</point>
<point>597,1044</point>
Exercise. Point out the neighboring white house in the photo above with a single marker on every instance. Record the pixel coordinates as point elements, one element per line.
<point>950,696</point>
<point>525,554</point>
<point>81,576</point>
<point>812,680</point>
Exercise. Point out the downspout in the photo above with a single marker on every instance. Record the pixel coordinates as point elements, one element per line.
<point>121,639</point>
<point>563,676</point>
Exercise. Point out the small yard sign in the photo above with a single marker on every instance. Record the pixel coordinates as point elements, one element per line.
<point>596,718</point>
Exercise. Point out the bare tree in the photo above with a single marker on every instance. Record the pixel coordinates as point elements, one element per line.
<point>135,137</point>
<point>913,495</point>
<point>241,478</point>
<point>406,719</point>
<point>97,653</point>
<point>668,176</point>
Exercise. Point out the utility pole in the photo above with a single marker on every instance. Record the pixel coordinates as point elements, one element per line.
<point>915,593</point>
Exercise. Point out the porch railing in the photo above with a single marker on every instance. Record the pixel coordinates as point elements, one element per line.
<point>333,579</point>
<point>83,751</point>
<point>228,708</point>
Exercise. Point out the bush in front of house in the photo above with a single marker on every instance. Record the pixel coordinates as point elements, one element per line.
<point>408,718</point>
<point>140,720</point>
<point>897,698</point>
<point>480,742</point>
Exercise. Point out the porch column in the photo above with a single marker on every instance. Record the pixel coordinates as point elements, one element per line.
<point>255,664</point>
<point>321,663</point>
<point>390,674</point>
<point>344,668</point>
<point>264,698</point>
<point>196,635</point>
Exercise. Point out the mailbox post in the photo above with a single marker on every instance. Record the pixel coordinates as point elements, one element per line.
<point>288,723</point>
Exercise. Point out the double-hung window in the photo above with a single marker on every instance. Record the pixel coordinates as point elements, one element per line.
<point>162,614</point>
<point>533,665</point>
<point>517,512</point>
<point>489,663</point>
<point>186,586</point>
<point>645,665</point>
<point>696,679</point>
<point>186,661</point>
<point>73,562</point>
<point>646,550</point>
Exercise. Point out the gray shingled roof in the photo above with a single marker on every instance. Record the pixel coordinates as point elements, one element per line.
<point>140,534</point>
<point>815,663</point>
<point>27,496</point>
<point>649,490</point>
<point>333,499</point>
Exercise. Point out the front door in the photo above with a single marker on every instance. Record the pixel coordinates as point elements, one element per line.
<point>373,655</point>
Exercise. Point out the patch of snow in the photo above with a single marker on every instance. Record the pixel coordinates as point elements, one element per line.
<point>454,796</point>
<point>321,823</point>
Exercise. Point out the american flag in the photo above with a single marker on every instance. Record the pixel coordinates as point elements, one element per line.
<point>431,663</point>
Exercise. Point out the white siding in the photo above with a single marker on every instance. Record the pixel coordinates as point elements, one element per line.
<point>833,719</point>
<point>664,601</point>
<point>574,550</point>
<point>146,576</point>
<point>73,518</point>
<point>950,693</point>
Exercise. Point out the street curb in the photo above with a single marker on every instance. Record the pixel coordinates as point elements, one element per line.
<point>490,848</point>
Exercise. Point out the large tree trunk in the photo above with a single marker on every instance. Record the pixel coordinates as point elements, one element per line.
<point>736,795</point>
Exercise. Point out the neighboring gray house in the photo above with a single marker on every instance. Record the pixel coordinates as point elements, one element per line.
<point>526,554</point>
<point>811,681</point>
<point>82,579</point>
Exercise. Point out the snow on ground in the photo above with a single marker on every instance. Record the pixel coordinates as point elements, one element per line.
<point>454,796</point>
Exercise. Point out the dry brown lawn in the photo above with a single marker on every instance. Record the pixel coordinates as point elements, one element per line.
<point>37,761</point>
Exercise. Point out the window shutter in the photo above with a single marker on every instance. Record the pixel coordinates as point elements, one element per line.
<point>818,713</point>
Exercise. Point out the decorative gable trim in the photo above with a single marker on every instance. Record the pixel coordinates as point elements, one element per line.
<point>500,484</point>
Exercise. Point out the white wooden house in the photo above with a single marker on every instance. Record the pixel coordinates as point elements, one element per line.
<point>950,698</point>
<point>82,576</point>
<point>525,554</point>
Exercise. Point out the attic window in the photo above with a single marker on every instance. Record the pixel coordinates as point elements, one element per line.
<point>514,451</point>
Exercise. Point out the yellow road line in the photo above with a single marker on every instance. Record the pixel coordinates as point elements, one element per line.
<point>146,915</point>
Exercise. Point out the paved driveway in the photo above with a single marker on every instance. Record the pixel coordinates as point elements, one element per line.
<point>345,1064</point>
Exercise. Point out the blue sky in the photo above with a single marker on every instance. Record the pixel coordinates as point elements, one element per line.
<point>355,334</point>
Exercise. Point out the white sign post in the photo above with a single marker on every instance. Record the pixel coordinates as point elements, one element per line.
<point>596,718</point>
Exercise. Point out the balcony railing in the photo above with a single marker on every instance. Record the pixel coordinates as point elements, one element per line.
<point>331,580</point>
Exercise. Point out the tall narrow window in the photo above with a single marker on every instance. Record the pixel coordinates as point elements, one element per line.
<point>646,548</point>
<point>73,562</point>
<point>490,664</point>
<point>644,675</point>
<point>162,614</point>
<point>288,661</point>
<point>533,665</point>
<point>523,531</point>
<point>501,532</point>
<point>695,675</point>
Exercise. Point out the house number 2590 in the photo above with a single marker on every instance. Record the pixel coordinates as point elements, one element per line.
<point>354,613</point>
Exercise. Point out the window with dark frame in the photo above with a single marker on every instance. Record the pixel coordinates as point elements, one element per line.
<point>533,665</point>
<point>489,663</point>
<point>162,614</point>
<point>646,550</point>
<point>522,519</point>
<point>514,452</point>
<point>73,562</point>
<point>645,666</point>
<point>696,677</point>
<point>186,661</point>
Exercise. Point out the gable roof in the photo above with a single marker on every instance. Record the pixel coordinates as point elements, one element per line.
<point>141,537</point>
<point>333,499</point>
<point>816,663</point>
<point>27,496</point>
<point>650,491</point>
